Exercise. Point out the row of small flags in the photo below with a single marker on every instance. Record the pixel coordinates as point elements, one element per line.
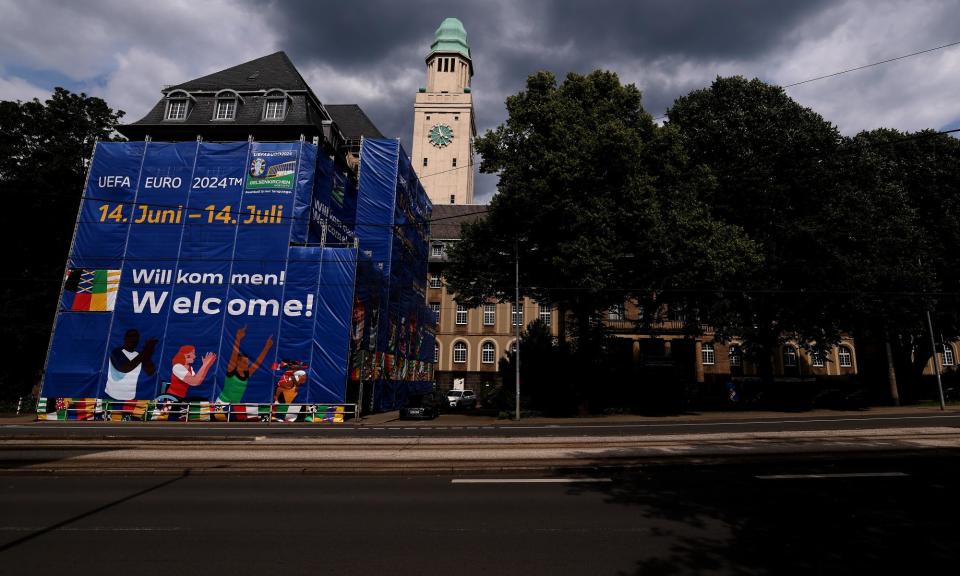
<point>100,409</point>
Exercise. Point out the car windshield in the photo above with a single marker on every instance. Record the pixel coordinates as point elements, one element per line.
<point>454,393</point>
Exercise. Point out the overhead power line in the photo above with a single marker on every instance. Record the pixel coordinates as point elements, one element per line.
<point>856,68</point>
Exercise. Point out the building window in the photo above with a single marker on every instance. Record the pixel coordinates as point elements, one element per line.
<point>707,353</point>
<point>454,162</point>
<point>615,312</point>
<point>425,160</point>
<point>460,353</point>
<point>489,314</point>
<point>517,314</point>
<point>736,356</point>
<point>546,314</point>
<point>453,199</point>
<point>436,353</point>
<point>275,105</point>
<point>226,109</point>
<point>435,306</point>
<point>845,357</point>
<point>948,359</point>
<point>816,359</point>
<point>789,356</point>
<point>439,69</point>
<point>435,281</point>
<point>456,117</point>
<point>437,250</point>
<point>461,315</point>
<point>488,353</point>
<point>177,109</point>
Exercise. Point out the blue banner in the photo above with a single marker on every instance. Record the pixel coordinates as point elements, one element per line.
<point>197,275</point>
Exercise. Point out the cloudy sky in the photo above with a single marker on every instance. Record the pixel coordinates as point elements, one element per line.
<point>372,52</point>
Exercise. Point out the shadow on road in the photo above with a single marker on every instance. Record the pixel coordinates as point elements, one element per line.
<point>723,519</point>
<point>87,514</point>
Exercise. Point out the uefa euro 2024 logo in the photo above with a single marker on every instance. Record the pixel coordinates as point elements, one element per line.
<point>258,167</point>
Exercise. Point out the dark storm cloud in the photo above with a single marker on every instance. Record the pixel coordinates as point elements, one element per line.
<point>668,47</point>
<point>509,41</point>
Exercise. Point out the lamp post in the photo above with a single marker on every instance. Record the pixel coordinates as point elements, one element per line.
<point>516,321</point>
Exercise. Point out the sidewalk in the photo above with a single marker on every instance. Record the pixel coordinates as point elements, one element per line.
<point>468,419</point>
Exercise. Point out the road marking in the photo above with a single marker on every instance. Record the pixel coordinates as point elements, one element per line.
<point>527,480</point>
<point>850,475</point>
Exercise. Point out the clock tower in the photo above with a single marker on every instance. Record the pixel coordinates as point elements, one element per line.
<point>443,123</point>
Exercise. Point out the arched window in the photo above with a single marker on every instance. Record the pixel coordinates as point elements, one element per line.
<point>460,353</point>
<point>275,105</point>
<point>488,353</point>
<point>948,358</point>
<point>816,359</point>
<point>845,357</point>
<point>178,105</point>
<point>707,353</point>
<point>226,105</point>
<point>789,357</point>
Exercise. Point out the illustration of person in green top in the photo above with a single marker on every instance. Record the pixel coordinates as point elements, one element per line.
<point>239,369</point>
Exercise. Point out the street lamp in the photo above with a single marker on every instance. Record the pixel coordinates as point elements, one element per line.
<point>516,321</point>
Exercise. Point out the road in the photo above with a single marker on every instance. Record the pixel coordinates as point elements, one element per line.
<point>883,514</point>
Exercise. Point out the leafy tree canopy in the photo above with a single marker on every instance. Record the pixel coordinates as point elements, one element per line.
<point>599,202</point>
<point>44,147</point>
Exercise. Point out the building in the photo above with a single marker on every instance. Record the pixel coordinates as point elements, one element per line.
<point>265,99</point>
<point>443,119</point>
<point>470,341</point>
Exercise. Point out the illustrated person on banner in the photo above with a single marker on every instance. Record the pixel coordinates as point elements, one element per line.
<point>183,377</point>
<point>126,365</point>
<point>294,376</point>
<point>239,369</point>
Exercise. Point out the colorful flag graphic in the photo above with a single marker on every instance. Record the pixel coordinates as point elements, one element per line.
<point>86,290</point>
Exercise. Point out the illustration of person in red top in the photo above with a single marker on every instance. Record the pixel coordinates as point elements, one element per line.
<point>183,377</point>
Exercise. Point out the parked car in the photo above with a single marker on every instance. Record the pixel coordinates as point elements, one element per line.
<point>462,398</point>
<point>419,407</point>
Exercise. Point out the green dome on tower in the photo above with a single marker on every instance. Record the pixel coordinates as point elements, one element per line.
<point>450,37</point>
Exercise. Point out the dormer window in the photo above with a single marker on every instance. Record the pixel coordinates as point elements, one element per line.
<point>226,105</point>
<point>275,105</point>
<point>178,105</point>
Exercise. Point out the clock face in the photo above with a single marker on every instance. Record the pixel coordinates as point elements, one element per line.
<point>440,135</point>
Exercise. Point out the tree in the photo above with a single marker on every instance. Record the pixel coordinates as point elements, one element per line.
<point>774,164</point>
<point>898,235</point>
<point>597,203</point>
<point>44,148</point>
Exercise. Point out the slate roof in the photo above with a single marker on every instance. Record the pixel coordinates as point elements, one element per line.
<point>353,121</point>
<point>446,219</point>
<point>271,71</point>
<point>305,115</point>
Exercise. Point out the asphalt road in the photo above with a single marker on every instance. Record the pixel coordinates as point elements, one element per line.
<point>881,515</point>
<point>461,426</point>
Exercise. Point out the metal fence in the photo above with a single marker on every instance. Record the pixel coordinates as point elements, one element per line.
<point>95,409</point>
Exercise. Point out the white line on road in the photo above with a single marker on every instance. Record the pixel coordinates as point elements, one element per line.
<point>527,480</point>
<point>850,475</point>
